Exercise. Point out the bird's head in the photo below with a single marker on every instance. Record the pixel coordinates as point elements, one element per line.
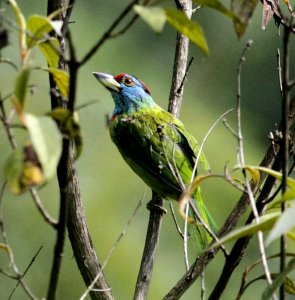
<point>129,93</point>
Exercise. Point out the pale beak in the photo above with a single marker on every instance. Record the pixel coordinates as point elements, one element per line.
<point>107,81</point>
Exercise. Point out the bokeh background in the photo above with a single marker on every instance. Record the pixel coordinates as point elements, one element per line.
<point>110,190</point>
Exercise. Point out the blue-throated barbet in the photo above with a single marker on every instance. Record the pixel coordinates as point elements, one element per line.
<point>153,142</point>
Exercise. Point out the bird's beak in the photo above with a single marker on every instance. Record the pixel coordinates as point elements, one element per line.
<point>107,81</point>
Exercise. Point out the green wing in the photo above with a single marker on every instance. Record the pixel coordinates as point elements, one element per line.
<point>158,148</point>
<point>162,152</point>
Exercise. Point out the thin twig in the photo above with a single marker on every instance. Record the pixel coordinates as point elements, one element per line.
<point>25,272</point>
<point>108,32</point>
<point>46,216</point>
<point>185,75</point>
<point>241,161</point>
<point>269,160</point>
<point>115,245</point>
<point>175,220</point>
<point>204,141</point>
<point>7,126</point>
<point>185,239</point>
<point>18,276</point>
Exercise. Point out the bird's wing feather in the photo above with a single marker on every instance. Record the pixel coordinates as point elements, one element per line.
<point>158,148</point>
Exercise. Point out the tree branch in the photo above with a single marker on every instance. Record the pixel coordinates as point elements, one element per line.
<point>150,248</point>
<point>180,62</point>
<point>175,100</point>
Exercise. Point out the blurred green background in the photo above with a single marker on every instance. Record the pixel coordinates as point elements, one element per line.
<point>110,190</point>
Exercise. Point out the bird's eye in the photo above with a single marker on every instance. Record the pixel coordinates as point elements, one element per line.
<point>128,81</point>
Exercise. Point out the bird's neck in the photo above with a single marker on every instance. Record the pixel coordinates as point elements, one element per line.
<point>135,105</point>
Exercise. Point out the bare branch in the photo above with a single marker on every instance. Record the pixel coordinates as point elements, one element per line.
<point>108,32</point>
<point>180,62</point>
<point>150,248</point>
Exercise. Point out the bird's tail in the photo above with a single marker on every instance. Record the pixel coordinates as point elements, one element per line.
<point>205,222</point>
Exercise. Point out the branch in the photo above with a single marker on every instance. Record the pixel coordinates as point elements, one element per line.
<point>285,141</point>
<point>180,62</point>
<point>270,160</point>
<point>108,33</point>
<point>150,248</point>
<point>156,215</point>
<point>81,242</point>
<point>71,209</point>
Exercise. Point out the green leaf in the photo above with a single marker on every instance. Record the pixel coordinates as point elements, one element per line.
<point>288,195</point>
<point>190,29</point>
<point>284,223</point>
<point>21,88</point>
<point>279,280</point>
<point>62,80</point>
<point>21,22</point>
<point>49,49</point>
<point>217,5</point>
<point>47,142</point>
<point>154,16</point>
<point>71,126</point>
<point>13,170</point>
<point>289,285</point>
<point>266,222</point>
<point>244,10</point>
<point>277,175</point>
<point>39,28</point>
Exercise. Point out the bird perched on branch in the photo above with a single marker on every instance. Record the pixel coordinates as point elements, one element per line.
<point>154,143</point>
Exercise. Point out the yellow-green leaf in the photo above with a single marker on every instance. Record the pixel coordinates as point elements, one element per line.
<point>70,123</point>
<point>50,48</point>
<point>21,87</point>
<point>21,22</point>
<point>217,5</point>
<point>62,81</point>
<point>288,195</point>
<point>289,286</point>
<point>266,222</point>
<point>47,142</point>
<point>39,27</point>
<point>189,28</point>
<point>13,169</point>
<point>284,223</point>
<point>154,16</point>
<point>277,175</point>
<point>280,279</point>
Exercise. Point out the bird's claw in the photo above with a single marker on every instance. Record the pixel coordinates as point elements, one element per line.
<point>154,206</point>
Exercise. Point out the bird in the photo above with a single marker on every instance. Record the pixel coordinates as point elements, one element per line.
<point>155,144</point>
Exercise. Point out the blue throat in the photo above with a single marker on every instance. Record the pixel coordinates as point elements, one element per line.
<point>127,102</point>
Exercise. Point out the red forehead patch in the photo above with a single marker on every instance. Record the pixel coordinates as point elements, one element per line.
<point>120,77</point>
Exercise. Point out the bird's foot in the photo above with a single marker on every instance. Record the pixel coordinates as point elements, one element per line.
<point>157,205</point>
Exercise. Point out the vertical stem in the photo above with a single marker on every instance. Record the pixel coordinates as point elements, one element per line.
<point>285,141</point>
<point>150,248</point>
<point>63,180</point>
<point>180,62</point>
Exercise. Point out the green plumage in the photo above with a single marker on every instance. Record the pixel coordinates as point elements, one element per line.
<point>155,144</point>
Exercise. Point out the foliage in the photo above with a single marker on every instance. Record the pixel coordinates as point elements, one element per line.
<point>46,151</point>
